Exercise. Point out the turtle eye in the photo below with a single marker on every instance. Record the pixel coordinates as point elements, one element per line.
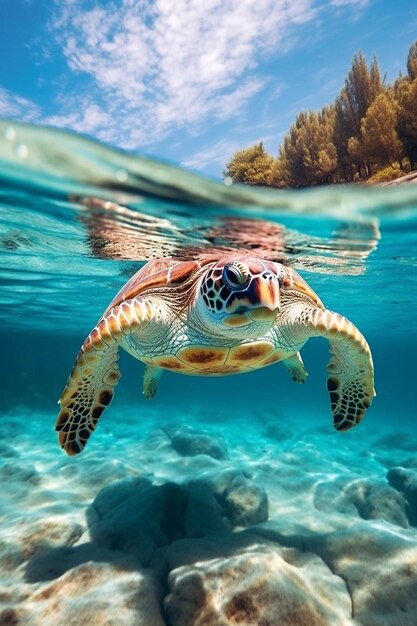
<point>236,276</point>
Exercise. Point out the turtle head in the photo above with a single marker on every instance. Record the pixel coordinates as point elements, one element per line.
<point>240,296</point>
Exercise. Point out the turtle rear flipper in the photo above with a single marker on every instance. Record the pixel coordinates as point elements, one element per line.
<point>295,367</point>
<point>151,381</point>
<point>90,387</point>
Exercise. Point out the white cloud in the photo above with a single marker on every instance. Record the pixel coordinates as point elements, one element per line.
<point>221,151</point>
<point>342,3</point>
<point>141,69</point>
<point>160,65</point>
<point>213,155</point>
<point>89,120</point>
<point>12,105</point>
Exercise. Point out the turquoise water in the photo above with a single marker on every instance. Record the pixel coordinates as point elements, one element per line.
<point>214,473</point>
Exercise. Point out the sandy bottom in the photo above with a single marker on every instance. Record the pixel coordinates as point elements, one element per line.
<point>249,522</point>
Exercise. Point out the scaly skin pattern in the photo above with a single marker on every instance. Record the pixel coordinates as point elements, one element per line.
<point>95,373</point>
<point>213,318</point>
<point>179,346</point>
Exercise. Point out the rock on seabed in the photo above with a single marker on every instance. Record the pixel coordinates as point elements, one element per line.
<point>264,585</point>
<point>95,594</point>
<point>304,530</point>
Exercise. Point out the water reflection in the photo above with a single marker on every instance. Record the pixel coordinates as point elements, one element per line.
<point>121,232</point>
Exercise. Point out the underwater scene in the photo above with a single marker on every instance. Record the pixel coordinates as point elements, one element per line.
<point>248,499</point>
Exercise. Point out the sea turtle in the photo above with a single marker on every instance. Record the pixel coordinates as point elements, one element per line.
<point>213,316</point>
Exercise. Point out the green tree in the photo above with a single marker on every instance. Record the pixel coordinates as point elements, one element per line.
<point>406,96</point>
<point>289,171</point>
<point>378,141</point>
<point>316,146</point>
<point>308,155</point>
<point>362,85</point>
<point>412,61</point>
<point>252,166</point>
<point>279,174</point>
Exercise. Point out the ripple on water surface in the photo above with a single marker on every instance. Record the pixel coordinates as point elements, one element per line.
<point>75,214</point>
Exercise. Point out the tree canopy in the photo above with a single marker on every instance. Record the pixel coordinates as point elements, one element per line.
<point>412,61</point>
<point>406,95</point>
<point>253,166</point>
<point>308,155</point>
<point>370,126</point>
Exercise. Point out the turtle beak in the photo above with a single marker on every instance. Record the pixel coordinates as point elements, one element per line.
<point>266,291</point>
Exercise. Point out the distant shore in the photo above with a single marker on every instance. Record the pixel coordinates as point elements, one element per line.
<point>403,180</point>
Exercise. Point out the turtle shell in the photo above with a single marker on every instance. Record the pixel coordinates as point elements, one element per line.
<point>157,273</point>
<point>169,271</point>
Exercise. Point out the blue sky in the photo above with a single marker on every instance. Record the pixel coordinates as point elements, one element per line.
<point>190,81</point>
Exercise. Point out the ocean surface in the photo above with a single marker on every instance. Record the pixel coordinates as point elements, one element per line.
<point>224,500</point>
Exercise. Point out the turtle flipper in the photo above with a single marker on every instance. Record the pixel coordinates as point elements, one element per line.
<point>89,390</point>
<point>351,371</point>
<point>90,387</point>
<point>295,366</point>
<point>151,381</point>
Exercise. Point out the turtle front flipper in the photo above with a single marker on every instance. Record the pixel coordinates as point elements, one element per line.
<point>351,371</point>
<point>89,390</point>
<point>90,387</point>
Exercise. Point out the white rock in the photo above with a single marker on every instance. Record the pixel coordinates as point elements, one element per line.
<point>258,585</point>
<point>380,570</point>
<point>96,594</point>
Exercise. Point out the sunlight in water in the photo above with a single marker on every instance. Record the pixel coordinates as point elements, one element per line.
<point>223,499</point>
